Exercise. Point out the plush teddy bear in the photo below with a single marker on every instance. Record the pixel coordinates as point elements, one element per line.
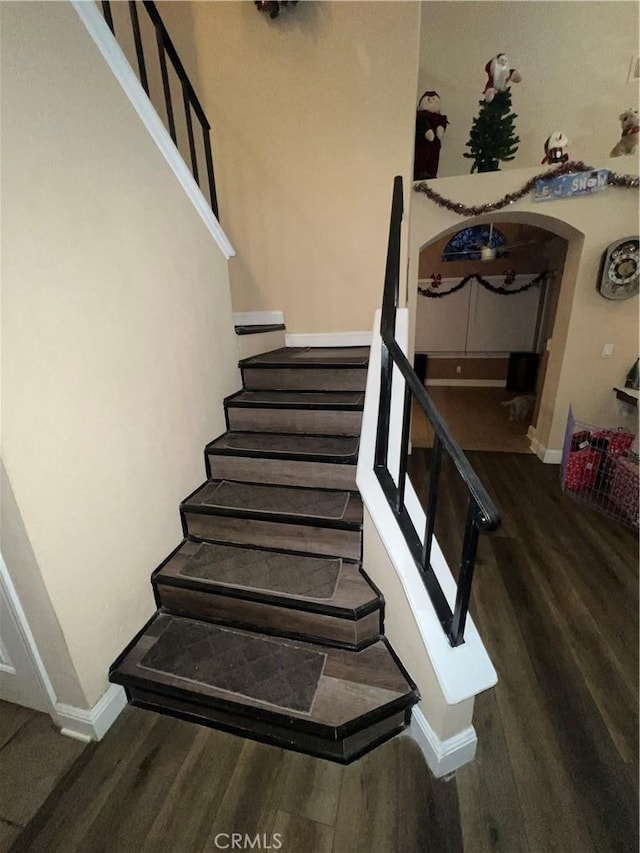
<point>499,75</point>
<point>430,128</point>
<point>555,148</point>
<point>628,142</point>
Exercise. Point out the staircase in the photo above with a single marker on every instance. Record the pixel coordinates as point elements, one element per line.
<point>266,625</point>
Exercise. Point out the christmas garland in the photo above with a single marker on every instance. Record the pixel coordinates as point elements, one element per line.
<point>613,179</point>
<point>503,291</point>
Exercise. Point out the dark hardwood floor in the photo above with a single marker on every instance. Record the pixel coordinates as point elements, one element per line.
<point>556,603</point>
<point>555,600</point>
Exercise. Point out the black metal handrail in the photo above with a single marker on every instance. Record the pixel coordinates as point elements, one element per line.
<point>481,513</point>
<point>190,100</point>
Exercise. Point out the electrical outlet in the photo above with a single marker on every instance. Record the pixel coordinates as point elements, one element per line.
<point>634,69</point>
<point>607,350</point>
<point>458,368</point>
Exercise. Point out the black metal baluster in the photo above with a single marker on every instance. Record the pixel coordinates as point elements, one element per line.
<point>165,83</point>
<point>209,162</point>
<point>465,576</point>
<point>192,143</point>
<point>384,409</point>
<point>404,447</point>
<point>135,24</point>
<point>432,503</point>
<point>106,11</point>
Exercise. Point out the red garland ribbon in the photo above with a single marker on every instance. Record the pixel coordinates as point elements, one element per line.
<point>613,179</point>
<point>423,291</point>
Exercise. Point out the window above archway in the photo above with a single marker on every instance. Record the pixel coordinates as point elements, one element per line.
<point>466,244</point>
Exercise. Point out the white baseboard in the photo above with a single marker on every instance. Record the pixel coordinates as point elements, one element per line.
<point>442,756</point>
<point>468,383</point>
<point>549,457</point>
<point>92,724</point>
<point>330,339</point>
<point>258,318</point>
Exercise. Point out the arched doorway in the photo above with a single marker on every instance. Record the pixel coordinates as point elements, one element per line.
<point>487,342</point>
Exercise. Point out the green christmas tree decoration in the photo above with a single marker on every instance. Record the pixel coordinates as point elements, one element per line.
<point>492,137</point>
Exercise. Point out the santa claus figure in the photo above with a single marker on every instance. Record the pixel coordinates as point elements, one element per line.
<point>499,75</point>
<point>555,148</point>
<point>430,128</point>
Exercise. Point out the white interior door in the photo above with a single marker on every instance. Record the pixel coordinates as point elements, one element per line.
<point>20,681</point>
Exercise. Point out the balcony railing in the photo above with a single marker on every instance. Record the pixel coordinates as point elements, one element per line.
<point>161,61</point>
<point>481,514</point>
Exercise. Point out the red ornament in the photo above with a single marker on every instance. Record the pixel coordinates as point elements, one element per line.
<point>436,280</point>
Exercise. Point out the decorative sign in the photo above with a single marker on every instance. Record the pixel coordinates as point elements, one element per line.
<point>568,186</point>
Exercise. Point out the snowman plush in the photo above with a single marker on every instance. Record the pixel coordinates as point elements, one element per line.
<point>555,148</point>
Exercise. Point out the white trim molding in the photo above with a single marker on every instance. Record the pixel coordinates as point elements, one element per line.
<point>549,457</point>
<point>258,318</point>
<point>29,640</point>
<point>85,725</point>
<point>442,756</point>
<point>116,60</point>
<point>330,339</point>
<point>94,723</point>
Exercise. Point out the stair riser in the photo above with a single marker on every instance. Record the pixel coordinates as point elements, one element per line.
<point>283,472</point>
<point>319,422</point>
<point>308,379</point>
<point>343,751</point>
<point>283,621</point>
<point>250,345</point>
<point>268,534</point>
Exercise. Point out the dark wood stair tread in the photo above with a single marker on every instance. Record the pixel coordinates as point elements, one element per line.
<point>327,691</point>
<point>326,448</point>
<point>311,357</point>
<point>323,507</point>
<point>307,400</point>
<point>320,584</point>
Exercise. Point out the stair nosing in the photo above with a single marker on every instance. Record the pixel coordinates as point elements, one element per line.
<point>259,329</point>
<point>234,403</point>
<point>286,456</point>
<point>270,740</point>
<point>317,365</point>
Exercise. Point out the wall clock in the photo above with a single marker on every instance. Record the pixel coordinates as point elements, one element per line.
<point>620,269</point>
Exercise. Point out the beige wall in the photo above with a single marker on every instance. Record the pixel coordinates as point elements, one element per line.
<point>117,345</point>
<point>574,59</point>
<point>585,321</point>
<point>402,632</point>
<point>312,116</point>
